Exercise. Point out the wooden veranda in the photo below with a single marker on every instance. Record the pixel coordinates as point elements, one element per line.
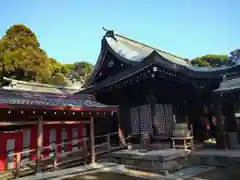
<point>29,108</point>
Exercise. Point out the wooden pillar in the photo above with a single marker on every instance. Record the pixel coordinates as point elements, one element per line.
<point>152,102</point>
<point>229,112</point>
<point>209,116</point>
<point>230,124</point>
<point>180,113</point>
<point>220,130</point>
<point>196,119</point>
<point>124,119</point>
<point>39,143</point>
<point>92,140</point>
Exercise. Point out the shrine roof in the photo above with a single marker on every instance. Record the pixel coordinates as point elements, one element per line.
<point>229,85</point>
<point>136,51</point>
<point>131,52</point>
<point>50,101</point>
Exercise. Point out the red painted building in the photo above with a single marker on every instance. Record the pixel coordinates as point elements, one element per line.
<point>26,139</point>
<point>65,119</point>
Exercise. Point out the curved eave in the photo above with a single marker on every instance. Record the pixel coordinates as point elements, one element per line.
<point>225,90</point>
<point>196,72</point>
<point>105,48</point>
<point>99,62</point>
<point>118,56</point>
<point>115,79</point>
<point>132,52</point>
<point>153,57</point>
<point>231,85</point>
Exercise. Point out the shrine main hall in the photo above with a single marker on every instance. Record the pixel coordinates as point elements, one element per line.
<point>155,89</point>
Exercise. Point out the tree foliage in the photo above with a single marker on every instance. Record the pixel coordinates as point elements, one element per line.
<point>211,61</point>
<point>59,79</point>
<point>22,58</point>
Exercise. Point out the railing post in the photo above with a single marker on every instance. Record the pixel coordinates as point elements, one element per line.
<point>55,161</point>
<point>18,164</point>
<point>109,143</point>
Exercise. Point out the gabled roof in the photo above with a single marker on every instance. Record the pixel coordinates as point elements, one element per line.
<point>133,51</point>
<point>136,51</point>
<point>139,56</point>
<point>129,51</point>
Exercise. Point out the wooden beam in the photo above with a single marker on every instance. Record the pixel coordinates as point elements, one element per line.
<point>39,143</point>
<point>92,140</point>
<point>17,123</point>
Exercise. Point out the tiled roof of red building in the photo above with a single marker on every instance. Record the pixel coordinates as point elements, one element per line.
<point>79,102</point>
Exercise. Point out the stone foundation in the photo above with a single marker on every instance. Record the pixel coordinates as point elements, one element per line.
<point>170,160</point>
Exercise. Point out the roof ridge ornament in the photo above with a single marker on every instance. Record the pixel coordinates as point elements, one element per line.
<point>234,56</point>
<point>224,77</point>
<point>110,33</point>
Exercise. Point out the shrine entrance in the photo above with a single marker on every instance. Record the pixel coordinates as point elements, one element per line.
<point>141,122</point>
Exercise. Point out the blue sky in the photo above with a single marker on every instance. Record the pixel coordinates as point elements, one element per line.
<point>71,30</point>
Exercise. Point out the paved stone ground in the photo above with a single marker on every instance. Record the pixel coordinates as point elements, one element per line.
<point>235,153</point>
<point>219,174</point>
<point>186,173</point>
<point>162,155</point>
<point>192,173</point>
<point>61,173</point>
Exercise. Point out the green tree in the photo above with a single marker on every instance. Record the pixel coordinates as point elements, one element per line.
<point>70,67</point>
<point>211,61</point>
<point>22,58</point>
<point>7,61</point>
<point>55,65</point>
<point>59,79</point>
<point>81,70</point>
<point>19,36</point>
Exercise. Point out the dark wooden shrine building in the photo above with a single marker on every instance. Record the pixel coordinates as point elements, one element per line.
<point>154,88</point>
<point>32,120</point>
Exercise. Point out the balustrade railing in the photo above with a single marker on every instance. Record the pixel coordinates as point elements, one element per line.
<point>55,155</point>
<point>106,146</point>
